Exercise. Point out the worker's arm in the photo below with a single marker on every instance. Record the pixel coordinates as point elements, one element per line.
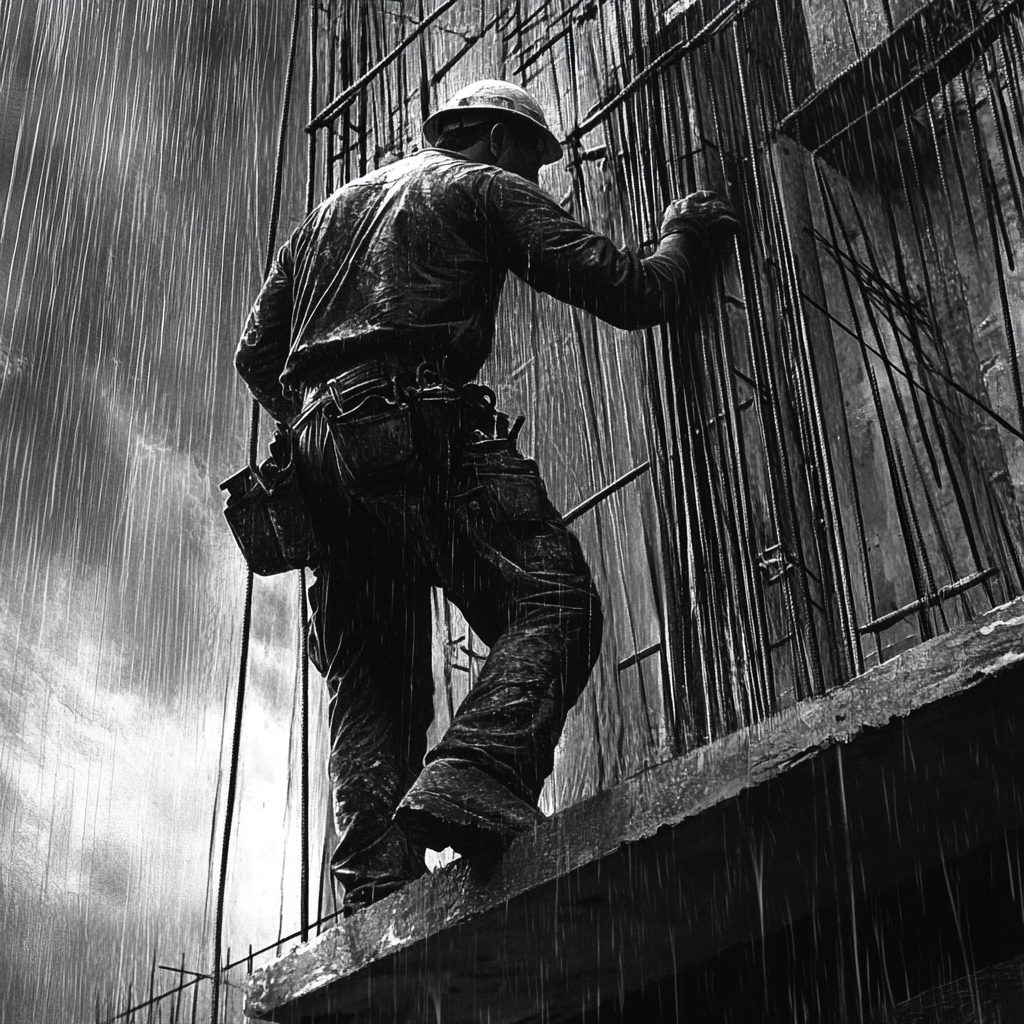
<point>266,339</point>
<point>554,253</point>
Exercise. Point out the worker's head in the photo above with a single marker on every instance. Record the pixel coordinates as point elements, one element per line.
<point>497,123</point>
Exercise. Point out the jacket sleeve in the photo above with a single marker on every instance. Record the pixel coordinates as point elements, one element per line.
<point>555,254</point>
<point>266,340</point>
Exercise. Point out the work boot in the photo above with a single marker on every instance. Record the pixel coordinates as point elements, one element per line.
<point>454,804</point>
<point>384,867</point>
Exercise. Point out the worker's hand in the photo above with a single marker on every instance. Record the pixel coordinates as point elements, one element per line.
<point>713,218</point>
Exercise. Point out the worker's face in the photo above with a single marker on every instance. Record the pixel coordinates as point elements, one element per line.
<point>521,154</point>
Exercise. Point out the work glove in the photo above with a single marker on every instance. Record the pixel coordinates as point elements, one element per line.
<point>708,223</point>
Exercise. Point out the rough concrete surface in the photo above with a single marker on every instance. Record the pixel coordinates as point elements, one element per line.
<point>907,765</point>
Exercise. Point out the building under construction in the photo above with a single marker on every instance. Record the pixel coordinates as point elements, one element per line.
<point>792,790</point>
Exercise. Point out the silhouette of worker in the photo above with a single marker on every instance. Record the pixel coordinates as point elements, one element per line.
<point>366,338</point>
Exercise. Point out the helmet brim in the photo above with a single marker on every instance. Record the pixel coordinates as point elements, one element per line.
<point>552,152</point>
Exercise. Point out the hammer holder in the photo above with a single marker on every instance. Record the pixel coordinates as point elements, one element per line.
<point>267,513</point>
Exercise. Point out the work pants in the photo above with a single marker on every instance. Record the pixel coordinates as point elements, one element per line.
<point>405,501</point>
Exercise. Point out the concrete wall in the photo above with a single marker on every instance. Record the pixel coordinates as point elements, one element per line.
<point>770,528</point>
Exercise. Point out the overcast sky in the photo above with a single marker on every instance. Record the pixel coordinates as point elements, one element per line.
<point>136,148</point>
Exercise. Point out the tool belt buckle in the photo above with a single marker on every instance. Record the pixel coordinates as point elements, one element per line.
<point>350,391</point>
<point>348,399</point>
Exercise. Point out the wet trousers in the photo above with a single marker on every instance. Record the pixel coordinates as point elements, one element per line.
<point>405,501</point>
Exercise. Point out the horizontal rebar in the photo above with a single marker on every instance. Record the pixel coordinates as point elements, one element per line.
<point>181,970</point>
<point>247,959</point>
<point>589,503</point>
<point>928,601</point>
<point>637,656</point>
<point>336,105</point>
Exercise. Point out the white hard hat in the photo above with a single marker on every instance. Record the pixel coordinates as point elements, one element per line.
<point>496,96</point>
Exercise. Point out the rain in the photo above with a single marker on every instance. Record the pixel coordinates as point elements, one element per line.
<point>815,471</point>
<point>135,180</point>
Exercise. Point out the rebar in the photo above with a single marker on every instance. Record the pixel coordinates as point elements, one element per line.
<point>761,546</point>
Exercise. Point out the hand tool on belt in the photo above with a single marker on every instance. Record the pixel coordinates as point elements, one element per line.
<point>267,512</point>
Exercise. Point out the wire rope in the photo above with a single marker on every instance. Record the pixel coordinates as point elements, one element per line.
<point>254,428</point>
<point>303,615</point>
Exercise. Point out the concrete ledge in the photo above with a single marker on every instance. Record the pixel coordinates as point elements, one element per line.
<point>912,763</point>
<point>995,994</point>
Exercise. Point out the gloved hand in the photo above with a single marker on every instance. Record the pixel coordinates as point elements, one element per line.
<point>704,216</point>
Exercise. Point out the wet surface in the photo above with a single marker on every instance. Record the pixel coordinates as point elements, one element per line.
<point>834,444</point>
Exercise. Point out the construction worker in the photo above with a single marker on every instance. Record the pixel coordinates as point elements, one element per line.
<point>366,338</point>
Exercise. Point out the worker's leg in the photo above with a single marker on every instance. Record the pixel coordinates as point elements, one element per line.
<point>371,641</point>
<point>520,578</point>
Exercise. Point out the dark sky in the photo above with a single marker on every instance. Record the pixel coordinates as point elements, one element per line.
<point>136,152</point>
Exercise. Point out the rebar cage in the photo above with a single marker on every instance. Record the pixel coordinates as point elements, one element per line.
<point>819,467</point>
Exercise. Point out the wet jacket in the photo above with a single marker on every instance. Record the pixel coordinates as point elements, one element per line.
<point>407,265</point>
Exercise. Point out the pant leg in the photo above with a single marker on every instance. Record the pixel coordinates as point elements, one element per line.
<point>370,639</point>
<point>520,577</point>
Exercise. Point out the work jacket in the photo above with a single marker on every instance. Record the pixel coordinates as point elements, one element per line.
<point>407,264</point>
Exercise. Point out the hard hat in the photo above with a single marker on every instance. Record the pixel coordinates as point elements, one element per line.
<point>494,95</point>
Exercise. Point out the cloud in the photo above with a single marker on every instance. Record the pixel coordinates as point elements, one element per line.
<point>112,706</point>
<point>135,160</point>
<point>108,796</point>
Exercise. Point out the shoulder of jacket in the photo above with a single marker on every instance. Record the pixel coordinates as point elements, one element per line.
<point>443,160</point>
<point>511,187</point>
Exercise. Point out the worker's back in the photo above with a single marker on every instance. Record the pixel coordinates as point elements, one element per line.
<point>407,265</point>
<point>396,263</point>
<point>418,483</point>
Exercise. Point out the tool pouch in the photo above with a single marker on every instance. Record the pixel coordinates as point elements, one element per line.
<point>439,425</point>
<point>373,446</point>
<point>268,515</point>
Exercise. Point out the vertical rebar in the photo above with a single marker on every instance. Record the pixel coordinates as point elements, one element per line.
<point>236,737</point>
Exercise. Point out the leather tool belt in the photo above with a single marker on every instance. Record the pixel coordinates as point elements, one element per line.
<point>350,390</point>
<point>267,513</point>
<point>441,410</point>
<point>265,508</point>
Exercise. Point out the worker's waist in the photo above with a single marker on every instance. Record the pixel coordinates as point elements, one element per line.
<point>373,380</point>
